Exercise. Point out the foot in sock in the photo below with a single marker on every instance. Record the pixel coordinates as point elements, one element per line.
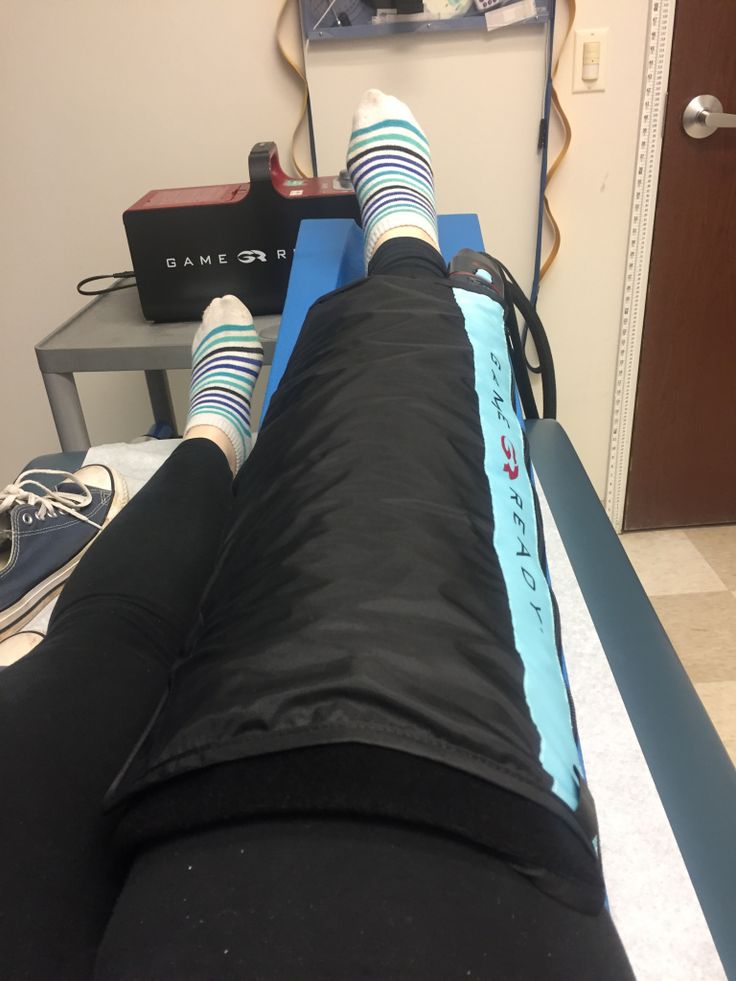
<point>390,167</point>
<point>226,361</point>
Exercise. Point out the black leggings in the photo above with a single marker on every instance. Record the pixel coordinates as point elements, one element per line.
<point>289,897</point>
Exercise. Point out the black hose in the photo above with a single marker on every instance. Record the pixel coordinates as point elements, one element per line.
<point>516,297</point>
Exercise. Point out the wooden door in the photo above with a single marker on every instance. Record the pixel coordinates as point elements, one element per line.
<point>682,469</point>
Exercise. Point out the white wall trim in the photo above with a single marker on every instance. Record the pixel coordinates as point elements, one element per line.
<point>641,226</point>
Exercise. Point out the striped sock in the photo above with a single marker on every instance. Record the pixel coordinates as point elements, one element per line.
<point>389,165</point>
<point>226,360</point>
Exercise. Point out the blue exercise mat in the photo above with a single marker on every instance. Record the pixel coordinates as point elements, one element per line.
<point>329,254</point>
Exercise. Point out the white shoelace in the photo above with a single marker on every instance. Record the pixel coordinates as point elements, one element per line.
<point>48,501</point>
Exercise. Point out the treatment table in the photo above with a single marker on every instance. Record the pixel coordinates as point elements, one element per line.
<point>664,786</point>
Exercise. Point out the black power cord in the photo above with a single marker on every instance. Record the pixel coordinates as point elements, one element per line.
<point>109,289</point>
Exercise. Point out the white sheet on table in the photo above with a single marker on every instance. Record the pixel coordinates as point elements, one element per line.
<point>652,899</point>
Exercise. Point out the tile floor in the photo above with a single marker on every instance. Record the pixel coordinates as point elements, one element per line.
<point>690,578</point>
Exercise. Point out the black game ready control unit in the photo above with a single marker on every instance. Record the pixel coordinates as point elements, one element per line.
<point>191,244</point>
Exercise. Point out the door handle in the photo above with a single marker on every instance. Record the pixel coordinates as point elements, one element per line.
<point>704,115</point>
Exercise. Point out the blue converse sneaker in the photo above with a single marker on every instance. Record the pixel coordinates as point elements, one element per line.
<point>44,533</point>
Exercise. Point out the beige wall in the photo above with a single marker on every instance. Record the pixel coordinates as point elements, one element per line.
<point>592,195</point>
<point>100,102</point>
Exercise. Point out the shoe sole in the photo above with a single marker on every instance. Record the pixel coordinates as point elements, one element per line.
<point>16,646</point>
<point>30,605</point>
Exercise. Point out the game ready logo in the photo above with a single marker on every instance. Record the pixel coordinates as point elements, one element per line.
<point>246,256</point>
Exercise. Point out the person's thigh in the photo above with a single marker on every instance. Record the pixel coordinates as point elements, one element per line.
<point>364,594</point>
<point>330,900</point>
<point>73,710</point>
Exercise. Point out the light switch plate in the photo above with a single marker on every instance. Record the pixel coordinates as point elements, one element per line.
<point>582,35</point>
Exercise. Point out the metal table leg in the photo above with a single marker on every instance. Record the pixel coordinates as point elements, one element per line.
<point>67,411</point>
<point>160,396</point>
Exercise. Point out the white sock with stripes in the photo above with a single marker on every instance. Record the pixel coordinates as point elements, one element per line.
<point>390,167</point>
<point>226,360</point>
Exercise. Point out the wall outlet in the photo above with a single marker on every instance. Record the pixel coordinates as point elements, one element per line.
<point>590,61</point>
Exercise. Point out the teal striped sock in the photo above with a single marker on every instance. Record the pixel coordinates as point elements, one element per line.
<point>226,361</point>
<point>389,165</point>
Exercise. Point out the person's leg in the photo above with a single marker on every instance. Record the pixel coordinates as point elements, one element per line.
<point>360,571</point>
<point>390,166</point>
<point>408,258</point>
<point>361,578</point>
<point>368,569</point>
<point>370,441</point>
<point>73,709</point>
<point>320,899</point>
